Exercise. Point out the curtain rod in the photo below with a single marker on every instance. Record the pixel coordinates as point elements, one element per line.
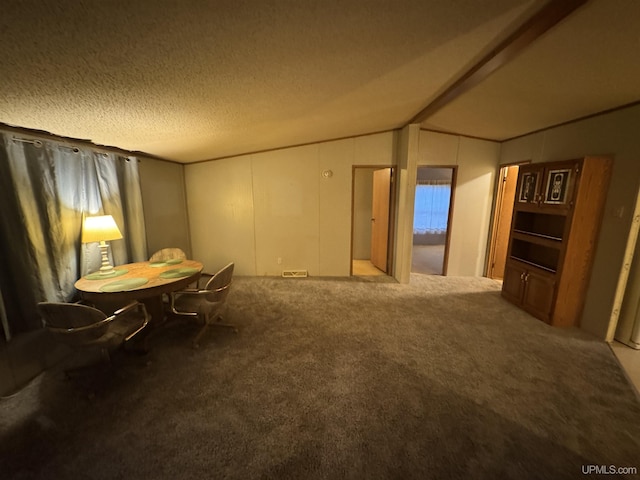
<point>35,142</point>
<point>38,144</point>
<point>73,149</point>
<point>106,149</point>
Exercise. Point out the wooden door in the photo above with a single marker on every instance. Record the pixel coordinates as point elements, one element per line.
<point>502,222</point>
<point>380,218</point>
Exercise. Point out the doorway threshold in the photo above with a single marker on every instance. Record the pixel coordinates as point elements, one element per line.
<point>364,268</point>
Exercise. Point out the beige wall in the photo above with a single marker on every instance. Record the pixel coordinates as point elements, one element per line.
<point>164,203</point>
<point>477,165</point>
<point>616,134</point>
<point>407,154</point>
<point>274,211</point>
<point>261,209</point>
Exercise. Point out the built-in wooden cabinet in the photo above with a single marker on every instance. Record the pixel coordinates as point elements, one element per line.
<point>531,289</point>
<point>556,218</point>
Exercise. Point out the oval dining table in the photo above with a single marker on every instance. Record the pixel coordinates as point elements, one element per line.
<point>143,281</point>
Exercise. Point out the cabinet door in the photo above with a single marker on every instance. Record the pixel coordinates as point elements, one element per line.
<point>557,186</point>
<point>513,282</point>
<point>539,290</point>
<point>530,184</point>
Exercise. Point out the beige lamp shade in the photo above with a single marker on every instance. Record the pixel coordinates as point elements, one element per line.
<point>99,229</point>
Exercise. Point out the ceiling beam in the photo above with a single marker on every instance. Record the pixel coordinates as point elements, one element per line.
<point>546,18</point>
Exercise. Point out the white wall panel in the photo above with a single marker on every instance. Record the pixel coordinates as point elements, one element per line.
<point>477,162</point>
<point>277,205</point>
<point>523,149</point>
<point>438,148</point>
<point>477,167</point>
<point>286,194</point>
<point>375,149</point>
<point>220,201</point>
<point>408,148</point>
<point>335,207</point>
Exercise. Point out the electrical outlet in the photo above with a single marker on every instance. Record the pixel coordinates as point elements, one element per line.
<point>279,260</point>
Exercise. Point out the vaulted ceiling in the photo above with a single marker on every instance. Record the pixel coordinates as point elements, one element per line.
<point>193,79</point>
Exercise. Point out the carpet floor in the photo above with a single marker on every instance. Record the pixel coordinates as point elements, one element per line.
<point>337,378</point>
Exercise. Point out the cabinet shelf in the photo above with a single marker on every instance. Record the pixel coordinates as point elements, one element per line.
<point>536,253</point>
<point>538,235</point>
<point>537,239</point>
<point>543,225</point>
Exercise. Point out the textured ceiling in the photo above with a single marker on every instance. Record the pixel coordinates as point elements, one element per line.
<point>193,80</point>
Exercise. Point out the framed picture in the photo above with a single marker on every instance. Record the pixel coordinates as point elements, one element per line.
<point>528,187</point>
<point>557,186</point>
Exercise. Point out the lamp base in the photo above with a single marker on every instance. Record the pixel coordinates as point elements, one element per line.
<point>106,268</point>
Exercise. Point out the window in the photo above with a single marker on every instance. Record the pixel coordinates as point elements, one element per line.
<point>431,209</point>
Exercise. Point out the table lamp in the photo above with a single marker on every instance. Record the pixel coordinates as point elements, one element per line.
<point>101,229</point>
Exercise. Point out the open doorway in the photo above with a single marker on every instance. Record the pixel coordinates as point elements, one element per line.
<point>431,219</point>
<point>372,215</point>
<point>499,243</point>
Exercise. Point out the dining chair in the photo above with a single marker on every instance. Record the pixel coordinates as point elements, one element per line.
<point>84,327</point>
<point>206,302</point>
<point>168,254</point>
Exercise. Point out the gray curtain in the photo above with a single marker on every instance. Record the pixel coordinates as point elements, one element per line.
<point>46,187</point>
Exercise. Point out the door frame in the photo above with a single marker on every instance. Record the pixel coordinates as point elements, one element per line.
<point>392,214</point>
<point>452,196</point>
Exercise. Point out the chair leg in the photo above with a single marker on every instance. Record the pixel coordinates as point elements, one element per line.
<point>105,356</point>
<point>138,345</point>
<point>196,339</point>
<point>209,323</point>
<point>217,322</point>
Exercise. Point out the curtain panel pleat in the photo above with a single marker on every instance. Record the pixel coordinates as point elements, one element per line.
<point>433,182</point>
<point>46,189</point>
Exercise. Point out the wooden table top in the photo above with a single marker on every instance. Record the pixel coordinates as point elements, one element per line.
<point>141,279</point>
